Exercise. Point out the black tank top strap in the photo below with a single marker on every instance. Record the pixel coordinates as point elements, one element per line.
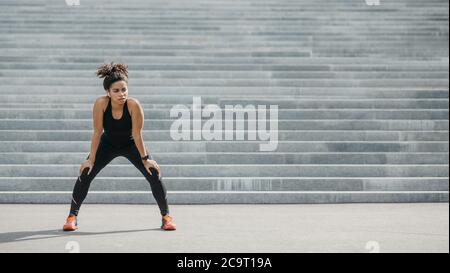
<point>107,110</point>
<point>125,109</point>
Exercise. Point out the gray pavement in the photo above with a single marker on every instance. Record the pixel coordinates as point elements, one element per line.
<point>410,227</point>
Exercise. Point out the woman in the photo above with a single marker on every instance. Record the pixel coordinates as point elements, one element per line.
<point>122,118</point>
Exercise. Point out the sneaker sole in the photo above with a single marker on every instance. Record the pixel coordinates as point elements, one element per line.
<point>70,229</point>
<point>169,229</point>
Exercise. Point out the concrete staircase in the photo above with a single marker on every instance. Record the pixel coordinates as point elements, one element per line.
<point>362,93</point>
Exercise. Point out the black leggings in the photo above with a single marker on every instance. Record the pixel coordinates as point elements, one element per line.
<point>105,154</point>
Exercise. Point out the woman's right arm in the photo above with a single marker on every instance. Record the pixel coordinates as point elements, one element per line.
<point>97,115</point>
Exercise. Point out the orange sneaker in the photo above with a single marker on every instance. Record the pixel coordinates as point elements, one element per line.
<point>167,223</point>
<point>71,223</point>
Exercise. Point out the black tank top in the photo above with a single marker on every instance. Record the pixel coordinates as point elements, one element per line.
<point>117,132</point>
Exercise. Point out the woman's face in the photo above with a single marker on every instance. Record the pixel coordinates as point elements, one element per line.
<point>118,92</point>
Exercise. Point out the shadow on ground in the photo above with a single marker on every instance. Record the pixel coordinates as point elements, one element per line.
<point>21,236</point>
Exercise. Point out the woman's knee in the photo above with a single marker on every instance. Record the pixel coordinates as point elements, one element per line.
<point>88,174</point>
<point>154,176</point>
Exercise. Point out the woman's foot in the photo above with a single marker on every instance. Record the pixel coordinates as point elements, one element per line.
<point>71,223</point>
<point>167,223</point>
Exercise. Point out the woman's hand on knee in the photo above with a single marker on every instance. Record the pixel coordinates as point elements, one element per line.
<point>151,164</point>
<point>86,164</point>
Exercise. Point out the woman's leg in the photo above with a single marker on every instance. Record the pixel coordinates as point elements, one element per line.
<point>158,189</point>
<point>105,154</point>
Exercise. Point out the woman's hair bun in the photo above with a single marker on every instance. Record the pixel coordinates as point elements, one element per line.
<point>109,69</point>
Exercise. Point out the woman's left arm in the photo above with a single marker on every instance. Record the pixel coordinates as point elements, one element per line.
<point>137,116</point>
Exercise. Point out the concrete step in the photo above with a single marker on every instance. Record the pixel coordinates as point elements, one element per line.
<point>380,41</point>
<point>227,17</point>
<point>255,92</point>
<point>48,75</point>
<point>246,3</point>
<point>340,103</point>
<point>319,124</point>
<point>228,64</point>
<point>188,100</point>
<point>285,104</point>
<point>215,42</point>
<point>239,170</point>
<point>238,9</point>
<point>282,114</point>
<point>286,135</point>
<point>240,158</point>
<point>354,92</point>
<point>238,146</point>
<point>159,51</point>
<point>437,83</point>
<point>228,31</point>
<point>358,64</point>
<point>217,26</point>
<point>231,184</point>
<point>227,6</point>
<point>221,16</point>
<point>352,41</point>
<point>229,197</point>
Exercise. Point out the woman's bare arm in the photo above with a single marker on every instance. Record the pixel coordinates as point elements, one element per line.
<point>137,116</point>
<point>97,116</point>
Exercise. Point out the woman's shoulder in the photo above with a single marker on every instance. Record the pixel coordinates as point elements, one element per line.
<point>133,103</point>
<point>102,99</point>
<point>102,102</point>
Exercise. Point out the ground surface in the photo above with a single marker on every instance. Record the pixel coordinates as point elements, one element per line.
<point>419,227</point>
